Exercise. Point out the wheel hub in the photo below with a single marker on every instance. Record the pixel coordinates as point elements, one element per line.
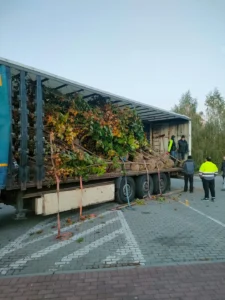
<point>127,190</point>
<point>161,183</point>
<point>145,186</point>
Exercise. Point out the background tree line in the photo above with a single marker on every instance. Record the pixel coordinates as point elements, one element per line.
<point>208,128</point>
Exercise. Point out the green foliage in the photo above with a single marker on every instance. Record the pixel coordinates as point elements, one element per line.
<point>80,240</point>
<point>208,131</point>
<point>105,131</point>
<point>82,167</point>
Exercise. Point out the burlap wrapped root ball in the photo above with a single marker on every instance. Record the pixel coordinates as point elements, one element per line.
<point>146,157</point>
<point>138,157</point>
<point>169,163</point>
<point>147,165</point>
<point>164,158</point>
<point>160,165</point>
<point>135,167</point>
<point>142,166</point>
<point>127,166</point>
<point>151,163</point>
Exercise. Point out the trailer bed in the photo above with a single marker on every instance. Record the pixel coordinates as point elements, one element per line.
<point>96,178</point>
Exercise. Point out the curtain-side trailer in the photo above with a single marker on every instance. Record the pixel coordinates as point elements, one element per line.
<point>23,184</point>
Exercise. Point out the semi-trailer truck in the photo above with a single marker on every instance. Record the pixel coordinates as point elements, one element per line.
<point>23,184</point>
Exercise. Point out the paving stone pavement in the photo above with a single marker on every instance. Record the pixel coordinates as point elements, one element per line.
<point>167,233</point>
<point>192,282</point>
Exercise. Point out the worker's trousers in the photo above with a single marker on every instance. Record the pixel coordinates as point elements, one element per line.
<point>189,178</point>
<point>209,185</point>
<point>173,155</point>
<point>181,155</point>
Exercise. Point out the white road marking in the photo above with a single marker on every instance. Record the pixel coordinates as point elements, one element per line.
<point>17,244</point>
<point>131,241</point>
<point>130,247</point>
<point>120,253</point>
<point>203,214</point>
<point>81,252</point>
<point>20,263</point>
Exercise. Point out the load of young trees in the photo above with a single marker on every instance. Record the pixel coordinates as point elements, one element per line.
<point>208,128</point>
<point>85,138</point>
<point>96,137</point>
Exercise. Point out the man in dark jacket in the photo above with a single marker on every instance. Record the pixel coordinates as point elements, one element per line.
<point>172,147</point>
<point>189,170</point>
<point>182,147</point>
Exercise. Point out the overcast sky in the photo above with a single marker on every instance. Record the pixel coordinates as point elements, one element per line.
<point>150,51</point>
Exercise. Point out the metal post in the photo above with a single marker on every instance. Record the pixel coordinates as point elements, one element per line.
<point>147,131</point>
<point>24,132</point>
<point>169,182</point>
<point>10,178</point>
<point>39,150</point>
<point>20,213</point>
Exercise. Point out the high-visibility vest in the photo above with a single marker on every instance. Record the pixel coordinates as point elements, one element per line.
<point>208,170</point>
<point>170,145</point>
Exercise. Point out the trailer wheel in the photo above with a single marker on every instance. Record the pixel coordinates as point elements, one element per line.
<point>121,188</point>
<point>142,187</point>
<point>163,183</point>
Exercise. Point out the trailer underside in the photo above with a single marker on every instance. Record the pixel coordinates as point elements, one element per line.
<point>96,190</point>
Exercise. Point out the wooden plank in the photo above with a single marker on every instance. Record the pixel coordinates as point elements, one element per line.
<point>40,193</point>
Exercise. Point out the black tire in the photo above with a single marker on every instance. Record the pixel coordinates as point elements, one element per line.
<point>120,185</point>
<point>164,182</point>
<point>142,186</point>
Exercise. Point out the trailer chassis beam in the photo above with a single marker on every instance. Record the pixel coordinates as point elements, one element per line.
<point>39,150</point>
<point>20,212</point>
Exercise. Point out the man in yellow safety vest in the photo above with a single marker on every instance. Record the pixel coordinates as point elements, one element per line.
<point>172,147</point>
<point>207,172</point>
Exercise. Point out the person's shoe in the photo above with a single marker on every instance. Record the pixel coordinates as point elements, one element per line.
<point>191,192</point>
<point>213,199</point>
<point>205,199</point>
<point>185,191</point>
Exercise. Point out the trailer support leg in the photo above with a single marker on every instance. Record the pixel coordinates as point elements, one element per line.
<point>20,212</point>
<point>169,182</point>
